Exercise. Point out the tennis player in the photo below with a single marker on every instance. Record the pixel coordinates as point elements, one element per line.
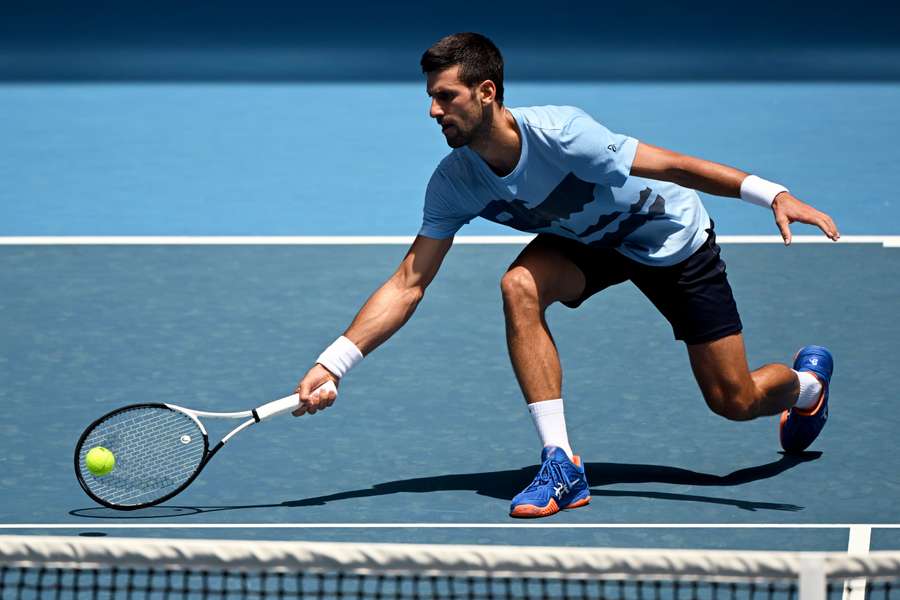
<point>607,208</point>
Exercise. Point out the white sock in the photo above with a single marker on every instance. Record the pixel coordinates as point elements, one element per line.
<point>810,390</point>
<point>550,421</point>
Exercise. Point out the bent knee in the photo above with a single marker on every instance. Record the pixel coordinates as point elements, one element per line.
<point>519,286</point>
<point>734,405</point>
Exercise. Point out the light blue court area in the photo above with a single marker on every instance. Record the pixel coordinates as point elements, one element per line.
<point>354,158</point>
<point>431,428</point>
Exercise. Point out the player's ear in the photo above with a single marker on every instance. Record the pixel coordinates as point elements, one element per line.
<point>488,92</point>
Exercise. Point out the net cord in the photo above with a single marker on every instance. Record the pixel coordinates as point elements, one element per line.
<point>810,570</point>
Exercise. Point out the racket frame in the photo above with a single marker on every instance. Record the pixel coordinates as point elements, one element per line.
<point>207,453</point>
<point>258,414</point>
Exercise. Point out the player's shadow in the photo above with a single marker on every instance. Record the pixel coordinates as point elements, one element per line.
<point>503,484</point>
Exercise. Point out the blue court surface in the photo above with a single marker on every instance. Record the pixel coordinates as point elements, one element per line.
<point>430,438</point>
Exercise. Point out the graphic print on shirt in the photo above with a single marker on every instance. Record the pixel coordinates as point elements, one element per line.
<point>571,196</point>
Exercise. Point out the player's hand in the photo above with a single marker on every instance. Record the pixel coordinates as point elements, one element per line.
<point>317,389</point>
<point>789,209</point>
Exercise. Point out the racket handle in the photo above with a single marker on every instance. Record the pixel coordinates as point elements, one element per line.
<point>277,407</point>
<point>286,404</point>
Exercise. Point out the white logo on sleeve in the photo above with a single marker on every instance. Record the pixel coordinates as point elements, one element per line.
<point>814,361</point>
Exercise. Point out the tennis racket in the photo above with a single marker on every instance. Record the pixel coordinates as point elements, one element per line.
<point>159,449</point>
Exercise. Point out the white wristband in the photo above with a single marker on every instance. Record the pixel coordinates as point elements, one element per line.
<point>340,356</point>
<point>757,190</point>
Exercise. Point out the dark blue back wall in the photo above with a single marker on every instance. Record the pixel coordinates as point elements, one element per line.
<point>552,39</point>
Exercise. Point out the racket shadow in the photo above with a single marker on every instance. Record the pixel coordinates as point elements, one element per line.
<point>502,485</point>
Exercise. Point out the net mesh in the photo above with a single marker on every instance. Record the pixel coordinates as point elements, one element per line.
<point>32,567</point>
<point>156,450</point>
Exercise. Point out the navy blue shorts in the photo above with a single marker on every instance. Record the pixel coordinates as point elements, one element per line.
<point>693,295</point>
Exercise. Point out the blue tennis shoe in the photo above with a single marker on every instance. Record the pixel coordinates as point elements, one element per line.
<point>799,427</point>
<point>560,484</point>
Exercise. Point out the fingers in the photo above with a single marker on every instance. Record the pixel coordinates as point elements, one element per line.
<point>784,225</point>
<point>302,390</point>
<point>321,398</point>
<point>326,395</point>
<point>822,221</point>
<point>789,209</point>
<point>317,399</point>
<point>826,224</point>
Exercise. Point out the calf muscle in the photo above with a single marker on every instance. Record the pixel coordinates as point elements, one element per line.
<point>731,389</point>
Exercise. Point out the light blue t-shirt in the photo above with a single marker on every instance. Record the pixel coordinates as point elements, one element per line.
<point>572,180</point>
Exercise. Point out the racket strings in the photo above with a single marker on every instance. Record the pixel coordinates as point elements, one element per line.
<point>157,450</point>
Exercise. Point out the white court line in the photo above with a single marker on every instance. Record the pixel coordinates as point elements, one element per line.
<point>95,524</point>
<point>888,241</point>
<point>860,539</point>
<point>884,240</point>
<point>858,544</point>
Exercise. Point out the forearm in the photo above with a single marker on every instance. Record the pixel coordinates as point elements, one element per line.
<point>389,307</point>
<point>385,312</point>
<point>706,176</point>
<point>380,317</point>
<point>654,162</point>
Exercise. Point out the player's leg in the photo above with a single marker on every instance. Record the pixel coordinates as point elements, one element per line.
<point>799,394</point>
<point>697,300</point>
<point>549,270</point>
<point>540,276</point>
<point>731,389</point>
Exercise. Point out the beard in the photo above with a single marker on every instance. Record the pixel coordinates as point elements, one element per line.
<point>458,135</point>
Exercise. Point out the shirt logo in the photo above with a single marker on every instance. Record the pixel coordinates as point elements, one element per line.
<point>814,361</point>
<point>612,147</point>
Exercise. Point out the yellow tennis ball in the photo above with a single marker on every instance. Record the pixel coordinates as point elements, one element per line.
<point>100,461</point>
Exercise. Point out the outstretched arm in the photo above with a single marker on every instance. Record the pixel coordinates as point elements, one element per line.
<point>386,311</point>
<point>698,174</point>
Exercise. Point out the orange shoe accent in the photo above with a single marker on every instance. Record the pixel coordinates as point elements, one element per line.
<point>529,511</point>
<point>784,418</point>
<point>579,504</point>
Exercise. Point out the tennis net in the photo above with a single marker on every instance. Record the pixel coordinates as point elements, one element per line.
<point>77,567</point>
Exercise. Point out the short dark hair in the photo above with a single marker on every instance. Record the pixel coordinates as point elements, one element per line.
<point>477,56</point>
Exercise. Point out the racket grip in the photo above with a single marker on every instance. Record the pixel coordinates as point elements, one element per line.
<point>286,404</point>
<point>277,407</point>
